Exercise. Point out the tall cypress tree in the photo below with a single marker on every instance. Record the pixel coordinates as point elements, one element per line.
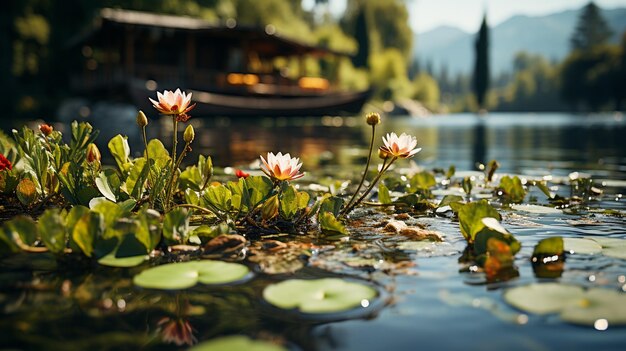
<point>362,37</point>
<point>481,70</point>
<point>591,29</point>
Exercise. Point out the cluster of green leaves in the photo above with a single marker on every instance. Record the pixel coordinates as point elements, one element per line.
<point>108,232</point>
<point>490,245</point>
<point>45,166</point>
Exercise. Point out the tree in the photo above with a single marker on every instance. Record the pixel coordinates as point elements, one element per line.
<point>481,70</point>
<point>591,29</point>
<point>362,37</point>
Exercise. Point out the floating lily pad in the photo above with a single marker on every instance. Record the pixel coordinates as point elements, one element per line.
<point>236,342</point>
<point>326,295</point>
<point>574,304</point>
<point>597,304</point>
<point>416,245</point>
<point>185,275</point>
<point>581,246</point>
<point>612,247</point>
<point>536,209</point>
<point>543,298</point>
<point>122,262</point>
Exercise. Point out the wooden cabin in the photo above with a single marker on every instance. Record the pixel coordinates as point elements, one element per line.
<point>225,64</point>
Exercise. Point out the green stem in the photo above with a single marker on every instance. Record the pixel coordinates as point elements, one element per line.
<point>172,183</point>
<point>173,169</point>
<point>367,191</point>
<point>367,166</point>
<point>145,143</point>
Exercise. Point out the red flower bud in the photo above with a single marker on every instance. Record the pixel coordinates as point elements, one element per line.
<point>5,163</point>
<point>241,174</point>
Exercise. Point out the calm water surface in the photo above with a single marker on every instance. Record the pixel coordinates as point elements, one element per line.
<point>431,305</point>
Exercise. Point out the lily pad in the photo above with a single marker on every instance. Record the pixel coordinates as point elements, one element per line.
<point>598,304</point>
<point>573,303</point>
<point>122,262</point>
<point>536,209</point>
<point>326,295</point>
<point>543,298</point>
<point>612,247</point>
<point>175,276</point>
<point>581,246</point>
<point>236,342</point>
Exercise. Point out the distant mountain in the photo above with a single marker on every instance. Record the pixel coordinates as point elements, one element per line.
<point>546,35</point>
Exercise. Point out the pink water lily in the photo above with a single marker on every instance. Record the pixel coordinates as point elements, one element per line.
<point>403,146</point>
<point>174,103</point>
<point>281,167</point>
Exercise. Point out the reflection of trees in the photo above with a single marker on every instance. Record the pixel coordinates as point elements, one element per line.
<point>243,141</point>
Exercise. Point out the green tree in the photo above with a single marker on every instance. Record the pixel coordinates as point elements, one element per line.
<point>362,37</point>
<point>481,70</point>
<point>591,29</point>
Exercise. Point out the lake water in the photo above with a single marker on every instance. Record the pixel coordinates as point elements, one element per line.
<point>430,305</point>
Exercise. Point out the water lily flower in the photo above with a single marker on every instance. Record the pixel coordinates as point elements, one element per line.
<point>176,331</point>
<point>281,167</point>
<point>403,146</point>
<point>174,103</point>
<point>5,163</point>
<point>45,129</point>
<point>241,174</point>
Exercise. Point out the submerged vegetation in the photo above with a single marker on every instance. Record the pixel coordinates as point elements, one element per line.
<point>181,229</point>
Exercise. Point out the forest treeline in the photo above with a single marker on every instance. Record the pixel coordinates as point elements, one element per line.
<point>34,35</point>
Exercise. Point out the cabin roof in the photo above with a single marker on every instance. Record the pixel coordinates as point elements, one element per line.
<point>282,45</point>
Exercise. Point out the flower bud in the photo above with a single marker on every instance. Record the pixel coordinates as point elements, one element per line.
<point>269,209</point>
<point>383,154</point>
<point>93,154</point>
<point>189,134</point>
<point>372,118</point>
<point>45,129</point>
<point>208,168</point>
<point>241,174</point>
<point>142,120</point>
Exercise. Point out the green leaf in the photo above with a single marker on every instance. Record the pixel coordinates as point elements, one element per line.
<point>136,178</point>
<point>259,189</point>
<point>118,146</point>
<point>597,305</point>
<point>191,179</point>
<point>471,215</point>
<point>149,228</point>
<point>288,203</point>
<point>513,189</point>
<point>549,246</point>
<point>122,262</point>
<point>487,232</point>
<point>185,275</point>
<point>331,225</point>
<point>26,192</point>
<point>130,246</point>
<point>176,226</point>
<point>7,242</point>
<point>326,295</point>
<point>8,181</point>
<point>303,199</point>
<point>236,342</point>
<point>86,230</point>
<point>108,182</point>
<point>331,204</point>
<point>23,227</point>
<point>51,228</point>
<point>449,199</point>
<point>422,181</point>
<point>543,298</point>
<point>383,194</point>
<point>110,211</point>
<point>219,196</point>
<point>581,246</point>
<point>158,153</point>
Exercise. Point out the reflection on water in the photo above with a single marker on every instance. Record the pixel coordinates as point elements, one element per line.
<point>520,142</point>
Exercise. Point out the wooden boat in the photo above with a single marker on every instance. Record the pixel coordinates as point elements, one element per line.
<point>230,69</point>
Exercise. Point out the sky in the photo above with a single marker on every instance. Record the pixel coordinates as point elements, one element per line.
<point>467,14</point>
